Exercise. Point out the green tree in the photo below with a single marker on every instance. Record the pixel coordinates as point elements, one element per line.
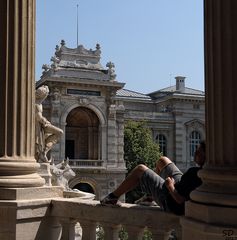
<point>139,148</point>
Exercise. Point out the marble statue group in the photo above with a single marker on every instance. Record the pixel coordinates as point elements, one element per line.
<point>47,135</point>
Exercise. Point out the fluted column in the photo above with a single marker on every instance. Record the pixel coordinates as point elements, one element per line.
<point>17,64</point>
<point>220,173</point>
<point>213,208</point>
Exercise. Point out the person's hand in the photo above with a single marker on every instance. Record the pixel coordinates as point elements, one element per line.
<point>169,183</point>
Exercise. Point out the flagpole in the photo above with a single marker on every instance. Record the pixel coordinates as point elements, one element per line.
<point>77,25</point>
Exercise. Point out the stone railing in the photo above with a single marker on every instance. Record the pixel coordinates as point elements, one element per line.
<point>133,218</point>
<point>85,163</point>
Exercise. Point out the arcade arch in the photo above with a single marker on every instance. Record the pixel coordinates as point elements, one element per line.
<point>82,134</point>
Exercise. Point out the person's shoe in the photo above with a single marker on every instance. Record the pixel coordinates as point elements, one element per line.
<point>110,201</point>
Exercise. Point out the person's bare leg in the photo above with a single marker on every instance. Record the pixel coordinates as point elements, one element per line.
<point>131,181</point>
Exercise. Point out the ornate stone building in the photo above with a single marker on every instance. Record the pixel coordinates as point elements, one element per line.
<point>90,106</point>
<point>82,103</point>
<point>175,114</point>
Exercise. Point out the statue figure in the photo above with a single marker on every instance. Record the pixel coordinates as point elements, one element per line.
<point>45,68</point>
<point>47,135</point>
<point>111,71</point>
<point>61,174</point>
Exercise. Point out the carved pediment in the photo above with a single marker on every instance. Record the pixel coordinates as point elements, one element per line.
<point>195,124</point>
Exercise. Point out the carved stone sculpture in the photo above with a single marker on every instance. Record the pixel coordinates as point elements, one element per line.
<point>111,71</point>
<point>47,135</point>
<point>61,174</point>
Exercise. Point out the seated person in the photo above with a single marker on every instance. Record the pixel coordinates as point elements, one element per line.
<point>163,172</point>
<point>170,189</point>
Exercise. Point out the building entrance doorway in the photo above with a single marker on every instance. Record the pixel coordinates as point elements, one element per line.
<point>70,149</point>
<point>82,134</point>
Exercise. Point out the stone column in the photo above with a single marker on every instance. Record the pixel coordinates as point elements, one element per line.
<point>17,64</point>
<point>212,213</point>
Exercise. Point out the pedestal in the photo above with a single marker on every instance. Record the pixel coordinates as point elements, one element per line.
<point>26,215</point>
<point>45,173</point>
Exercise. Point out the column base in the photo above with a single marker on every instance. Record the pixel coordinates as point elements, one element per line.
<point>22,181</point>
<point>19,173</point>
<point>208,222</point>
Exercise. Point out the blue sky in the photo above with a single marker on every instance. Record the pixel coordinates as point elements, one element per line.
<point>149,41</point>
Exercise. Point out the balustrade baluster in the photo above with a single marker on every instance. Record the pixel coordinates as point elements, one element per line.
<point>134,218</point>
<point>134,232</point>
<point>160,234</point>
<point>111,231</point>
<point>178,233</point>
<point>88,230</point>
<point>68,228</point>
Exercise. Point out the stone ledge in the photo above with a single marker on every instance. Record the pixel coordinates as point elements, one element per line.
<point>130,214</point>
<point>30,193</point>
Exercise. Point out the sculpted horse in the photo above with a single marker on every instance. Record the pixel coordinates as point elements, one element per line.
<point>61,174</point>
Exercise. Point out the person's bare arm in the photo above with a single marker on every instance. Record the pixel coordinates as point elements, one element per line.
<point>169,182</point>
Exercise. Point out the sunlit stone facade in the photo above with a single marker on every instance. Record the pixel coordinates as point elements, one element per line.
<point>26,204</point>
<point>91,107</point>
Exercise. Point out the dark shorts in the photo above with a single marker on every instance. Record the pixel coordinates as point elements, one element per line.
<point>153,184</point>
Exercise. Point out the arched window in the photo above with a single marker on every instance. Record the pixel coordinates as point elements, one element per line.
<point>161,140</point>
<point>194,140</point>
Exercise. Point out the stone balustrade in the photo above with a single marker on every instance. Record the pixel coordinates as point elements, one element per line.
<point>133,218</point>
<point>85,163</point>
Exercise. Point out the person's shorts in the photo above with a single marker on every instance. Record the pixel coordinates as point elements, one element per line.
<point>171,170</point>
<point>152,183</point>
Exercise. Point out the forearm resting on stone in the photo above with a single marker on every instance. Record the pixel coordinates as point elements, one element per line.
<point>169,182</point>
